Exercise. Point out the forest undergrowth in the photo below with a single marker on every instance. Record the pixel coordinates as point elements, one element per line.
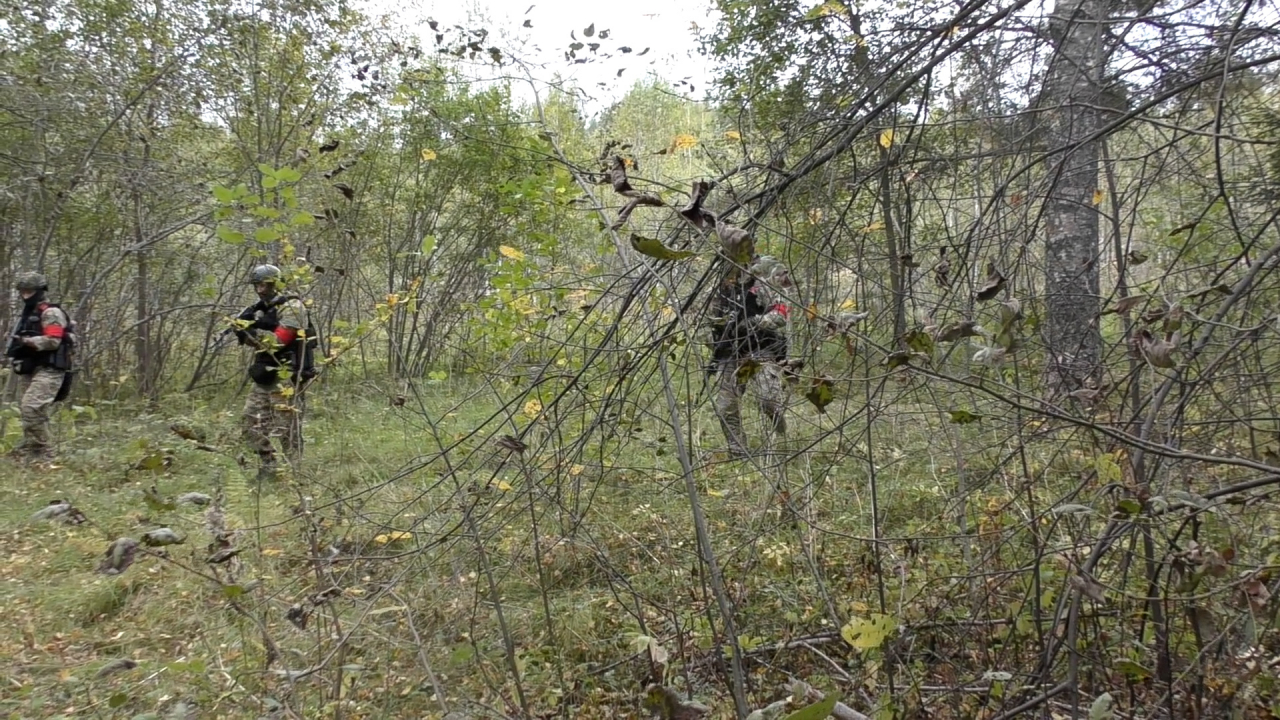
<point>913,561</point>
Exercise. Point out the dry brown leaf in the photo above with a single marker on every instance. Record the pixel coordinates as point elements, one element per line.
<point>995,282</point>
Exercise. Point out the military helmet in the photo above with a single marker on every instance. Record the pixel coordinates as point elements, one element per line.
<point>764,267</point>
<point>31,282</point>
<point>264,273</point>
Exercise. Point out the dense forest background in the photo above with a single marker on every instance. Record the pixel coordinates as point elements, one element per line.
<point>1034,447</point>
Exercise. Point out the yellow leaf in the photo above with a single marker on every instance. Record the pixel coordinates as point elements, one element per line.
<point>1097,197</point>
<point>533,408</point>
<point>860,607</point>
<point>428,155</point>
<point>733,135</point>
<point>576,470</point>
<point>655,249</point>
<point>628,162</point>
<point>811,312</point>
<point>886,139</point>
<point>877,225</point>
<point>504,486</point>
<point>510,252</point>
<point>286,392</point>
<point>393,299</point>
<point>815,216</point>
<point>391,537</point>
<point>848,304</point>
<point>870,632</point>
<point>683,141</point>
<point>272,552</point>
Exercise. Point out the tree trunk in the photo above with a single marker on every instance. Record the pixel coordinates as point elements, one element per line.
<point>1073,81</point>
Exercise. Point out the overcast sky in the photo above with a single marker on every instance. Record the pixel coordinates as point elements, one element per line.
<point>666,27</point>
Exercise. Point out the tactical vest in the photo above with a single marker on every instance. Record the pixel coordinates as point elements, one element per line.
<point>27,359</point>
<point>732,339</point>
<point>267,363</point>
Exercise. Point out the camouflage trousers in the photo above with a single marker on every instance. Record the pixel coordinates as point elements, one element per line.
<point>38,392</point>
<point>269,414</point>
<point>766,384</point>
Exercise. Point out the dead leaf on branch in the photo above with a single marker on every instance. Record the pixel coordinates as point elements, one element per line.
<point>665,703</point>
<point>636,201</point>
<point>330,146</point>
<point>994,284</point>
<point>942,274</point>
<point>618,177</point>
<point>508,442</point>
<point>119,556</point>
<point>1089,588</point>
<point>693,212</point>
<point>60,511</point>
<point>1257,593</point>
<point>958,330</point>
<point>1223,288</point>
<point>1125,304</point>
<point>1158,352</point>
<point>737,243</point>
<point>346,190</point>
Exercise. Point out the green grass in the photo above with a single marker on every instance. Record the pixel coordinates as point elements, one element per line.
<point>378,512</point>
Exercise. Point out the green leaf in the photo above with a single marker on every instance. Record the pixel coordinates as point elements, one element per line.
<point>229,236</point>
<point>817,711</point>
<point>154,461</point>
<point>1129,506</point>
<point>821,393</point>
<point>897,359</point>
<point>919,341</point>
<point>270,182</point>
<point>655,249</point>
<point>117,700</point>
<point>870,632</point>
<point>266,234</point>
<point>1103,708</point>
<point>1132,670</point>
<point>288,174</point>
<point>462,653</point>
<point>301,219</point>
<point>266,170</point>
<point>231,592</point>
<point>263,211</point>
<point>963,417</point>
<point>428,244</point>
<point>223,195</point>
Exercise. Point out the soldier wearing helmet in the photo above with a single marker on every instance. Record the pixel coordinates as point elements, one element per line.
<point>39,350</point>
<point>277,328</point>
<point>749,345</point>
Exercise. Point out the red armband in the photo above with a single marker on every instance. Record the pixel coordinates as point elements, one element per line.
<point>781,308</point>
<point>55,331</point>
<point>286,335</point>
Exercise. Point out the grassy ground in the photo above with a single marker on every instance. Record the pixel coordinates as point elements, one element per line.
<point>388,579</point>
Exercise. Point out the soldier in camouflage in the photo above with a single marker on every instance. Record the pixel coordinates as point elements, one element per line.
<point>749,346</point>
<point>277,328</point>
<point>40,352</point>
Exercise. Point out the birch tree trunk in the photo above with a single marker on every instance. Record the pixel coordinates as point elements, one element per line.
<point>1072,97</point>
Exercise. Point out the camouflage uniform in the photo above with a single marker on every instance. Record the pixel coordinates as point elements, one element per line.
<point>34,354</point>
<point>273,409</point>
<point>750,347</point>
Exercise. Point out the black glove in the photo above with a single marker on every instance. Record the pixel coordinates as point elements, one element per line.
<point>242,336</point>
<point>265,324</point>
